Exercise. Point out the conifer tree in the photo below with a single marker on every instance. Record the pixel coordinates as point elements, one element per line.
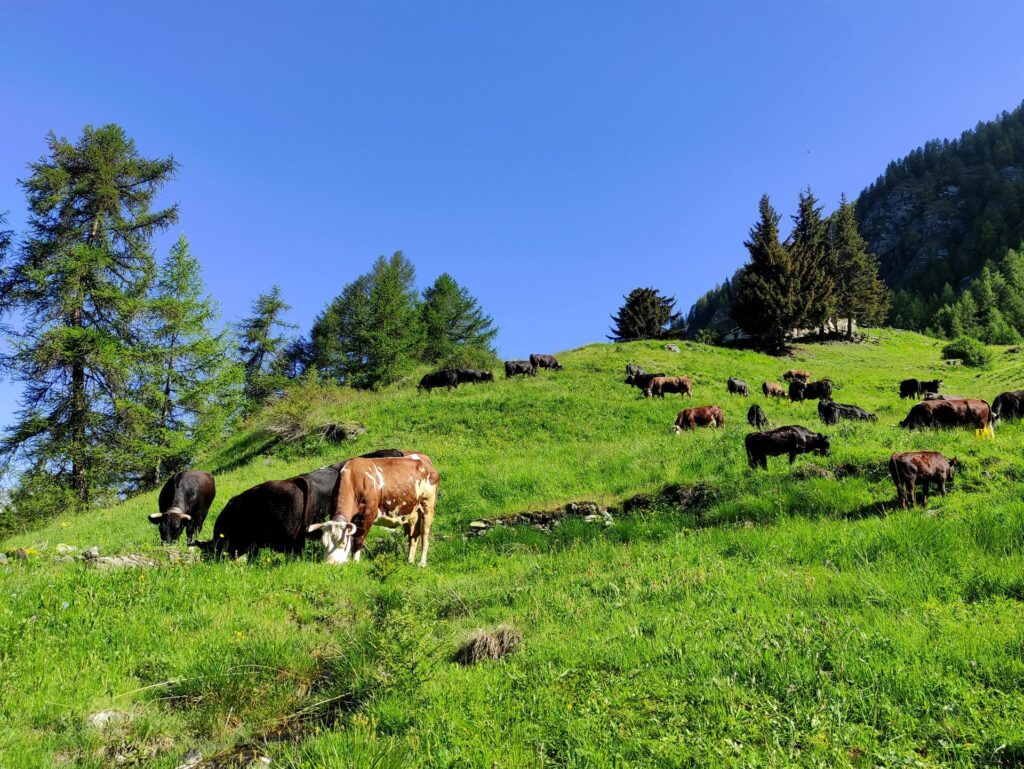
<point>766,307</point>
<point>456,331</point>
<point>645,314</point>
<point>813,265</point>
<point>860,293</point>
<point>260,345</point>
<point>79,281</point>
<point>189,387</point>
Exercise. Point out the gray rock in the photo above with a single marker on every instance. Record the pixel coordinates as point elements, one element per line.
<point>63,549</point>
<point>3,558</point>
<point>103,718</point>
<point>672,347</point>
<point>92,552</point>
<point>190,760</point>
<point>65,559</point>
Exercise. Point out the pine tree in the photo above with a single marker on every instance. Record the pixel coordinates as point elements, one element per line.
<point>79,281</point>
<point>860,293</point>
<point>766,307</point>
<point>813,265</point>
<point>260,345</point>
<point>645,314</point>
<point>189,388</point>
<point>456,331</point>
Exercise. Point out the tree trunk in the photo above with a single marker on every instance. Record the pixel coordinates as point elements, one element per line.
<point>79,413</point>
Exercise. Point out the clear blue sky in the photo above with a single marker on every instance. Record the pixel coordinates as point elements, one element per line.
<point>550,155</point>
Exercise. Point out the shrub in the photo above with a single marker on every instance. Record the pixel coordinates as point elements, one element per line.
<point>969,350</point>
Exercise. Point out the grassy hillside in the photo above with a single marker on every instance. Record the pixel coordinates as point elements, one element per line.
<point>793,618</point>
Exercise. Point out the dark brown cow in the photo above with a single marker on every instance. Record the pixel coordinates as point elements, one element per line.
<point>773,390</point>
<point>792,440</point>
<point>960,413</point>
<point>643,380</point>
<point>756,417</point>
<point>703,416</point>
<point>1009,405</point>
<point>660,385</point>
<point>909,467</point>
<point>392,492</point>
<point>539,361</point>
<point>735,386</point>
<point>184,502</point>
<point>795,375</point>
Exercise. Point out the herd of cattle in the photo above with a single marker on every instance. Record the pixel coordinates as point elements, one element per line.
<point>340,503</point>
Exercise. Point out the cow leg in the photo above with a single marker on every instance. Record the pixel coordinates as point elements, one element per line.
<point>912,491</point>
<point>414,541</point>
<point>942,486</point>
<point>792,457</point>
<point>924,493</point>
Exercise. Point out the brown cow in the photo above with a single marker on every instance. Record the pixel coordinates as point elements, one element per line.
<point>773,390</point>
<point>669,384</point>
<point>909,467</point>
<point>795,375</point>
<point>704,416</point>
<point>394,492</point>
<point>953,413</point>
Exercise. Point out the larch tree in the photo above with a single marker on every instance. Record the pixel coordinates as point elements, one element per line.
<point>456,330</point>
<point>766,306</point>
<point>76,290</point>
<point>260,346</point>
<point>645,314</point>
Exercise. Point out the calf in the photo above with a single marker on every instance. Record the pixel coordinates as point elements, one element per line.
<point>545,361</point>
<point>831,412</point>
<point>1009,405</point>
<point>447,378</point>
<point>773,390</point>
<point>184,502</point>
<point>517,367</point>
<point>757,417</point>
<point>909,467</point>
<point>949,413</point>
<point>736,386</point>
<point>703,416</point>
<point>660,385</point>
<point>792,440</point>
<point>795,375</point>
<point>394,492</point>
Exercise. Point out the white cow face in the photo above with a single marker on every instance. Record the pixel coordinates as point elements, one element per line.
<point>336,537</point>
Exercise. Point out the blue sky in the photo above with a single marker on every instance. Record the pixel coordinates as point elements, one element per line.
<point>550,155</point>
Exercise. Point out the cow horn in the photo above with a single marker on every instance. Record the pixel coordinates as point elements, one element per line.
<point>314,527</point>
<point>155,517</point>
<point>178,512</point>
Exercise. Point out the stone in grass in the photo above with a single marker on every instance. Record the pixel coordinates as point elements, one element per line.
<point>490,644</point>
<point>104,718</point>
<point>190,760</point>
<point>63,549</point>
<point>672,347</point>
<point>3,558</point>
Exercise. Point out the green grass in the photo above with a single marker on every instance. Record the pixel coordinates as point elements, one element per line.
<point>797,619</point>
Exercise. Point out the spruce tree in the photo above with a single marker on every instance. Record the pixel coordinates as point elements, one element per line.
<point>79,282</point>
<point>766,306</point>
<point>456,331</point>
<point>337,340</point>
<point>260,345</point>
<point>813,265</point>
<point>645,314</point>
<point>861,295</point>
<point>189,387</point>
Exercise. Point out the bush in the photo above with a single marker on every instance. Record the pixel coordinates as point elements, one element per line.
<point>970,351</point>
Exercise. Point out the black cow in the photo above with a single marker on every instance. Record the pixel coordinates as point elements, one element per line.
<point>757,417</point>
<point>277,514</point>
<point>737,386</point>
<point>642,381</point>
<point>913,388</point>
<point>184,502</point>
<point>792,440</point>
<point>473,375</point>
<point>1009,405</point>
<point>516,367</point>
<point>447,378</point>
<point>544,361</point>
<point>822,389</point>
<point>796,390</point>
<point>633,370</point>
<point>831,412</point>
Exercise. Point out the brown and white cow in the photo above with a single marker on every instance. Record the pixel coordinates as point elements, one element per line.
<point>392,492</point>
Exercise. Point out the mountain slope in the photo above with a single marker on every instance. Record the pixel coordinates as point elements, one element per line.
<point>790,618</point>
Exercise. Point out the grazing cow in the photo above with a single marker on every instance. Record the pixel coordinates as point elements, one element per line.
<point>394,492</point>
<point>831,412</point>
<point>791,440</point>
<point>1009,405</point>
<point>516,367</point>
<point>704,416</point>
<point>473,375</point>
<point>736,386</point>
<point>184,502</point>
<point>642,381</point>
<point>757,417</point>
<point>634,370</point>
<point>447,378</point>
<point>795,375</point>
<point>913,388</point>
<point>909,467</point>
<point>796,390</point>
<point>660,385</point>
<point>545,361</point>
<point>822,389</point>
<point>276,514</point>
<point>947,413</point>
<point>944,397</point>
<point>773,390</point>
